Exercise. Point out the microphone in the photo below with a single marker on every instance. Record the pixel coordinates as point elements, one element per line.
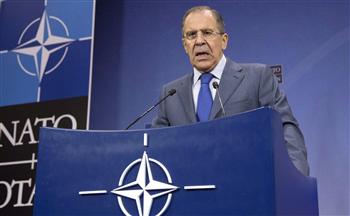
<point>216,86</point>
<point>171,92</point>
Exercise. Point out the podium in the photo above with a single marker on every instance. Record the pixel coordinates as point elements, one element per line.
<point>231,166</point>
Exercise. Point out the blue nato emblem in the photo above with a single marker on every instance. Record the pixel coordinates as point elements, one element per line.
<point>42,49</point>
<point>144,189</point>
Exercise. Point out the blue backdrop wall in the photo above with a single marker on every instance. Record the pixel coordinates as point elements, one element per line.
<point>138,49</point>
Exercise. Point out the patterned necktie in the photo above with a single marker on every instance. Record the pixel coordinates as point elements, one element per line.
<point>205,101</point>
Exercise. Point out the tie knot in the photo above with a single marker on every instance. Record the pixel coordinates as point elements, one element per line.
<point>206,77</point>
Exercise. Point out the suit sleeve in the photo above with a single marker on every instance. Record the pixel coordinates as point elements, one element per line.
<point>161,119</point>
<point>270,95</point>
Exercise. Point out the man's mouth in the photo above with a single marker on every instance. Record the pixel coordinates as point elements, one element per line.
<point>202,55</point>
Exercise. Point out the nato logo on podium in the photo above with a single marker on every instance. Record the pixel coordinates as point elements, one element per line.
<point>145,188</point>
<point>236,165</point>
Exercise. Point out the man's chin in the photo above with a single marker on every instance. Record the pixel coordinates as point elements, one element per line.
<point>204,66</point>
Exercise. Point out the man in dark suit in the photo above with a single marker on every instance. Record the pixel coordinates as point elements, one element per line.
<point>243,87</point>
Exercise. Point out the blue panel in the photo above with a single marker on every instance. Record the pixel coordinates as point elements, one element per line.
<point>234,154</point>
<point>16,86</point>
<point>45,50</point>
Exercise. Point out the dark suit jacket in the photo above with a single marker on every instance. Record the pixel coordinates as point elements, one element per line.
<point>243,87</point>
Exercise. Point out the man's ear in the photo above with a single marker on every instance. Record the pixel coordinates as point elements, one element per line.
<point>224,41</point>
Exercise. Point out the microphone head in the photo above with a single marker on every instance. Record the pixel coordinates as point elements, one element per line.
<point>171,92</point>
<point>215,85</point>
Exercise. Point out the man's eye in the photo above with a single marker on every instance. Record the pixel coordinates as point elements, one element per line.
<point>207,33</point>
<point>191,34</point>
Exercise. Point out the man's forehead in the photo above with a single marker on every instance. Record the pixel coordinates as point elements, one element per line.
<point>203,19</point>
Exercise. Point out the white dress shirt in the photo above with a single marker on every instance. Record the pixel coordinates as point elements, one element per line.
<point>216,72</point>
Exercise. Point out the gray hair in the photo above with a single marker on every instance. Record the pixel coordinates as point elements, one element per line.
<point>216,14</point>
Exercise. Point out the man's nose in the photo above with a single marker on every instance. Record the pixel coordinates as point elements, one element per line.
<point>200,39</point>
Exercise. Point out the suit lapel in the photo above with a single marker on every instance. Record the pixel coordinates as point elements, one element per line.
<point>186,97</point>
<point>230,80</point>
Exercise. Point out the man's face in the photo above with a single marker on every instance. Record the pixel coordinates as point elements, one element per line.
<point>204,52</point>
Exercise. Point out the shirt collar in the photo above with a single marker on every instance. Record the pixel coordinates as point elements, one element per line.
<point>216,72</point>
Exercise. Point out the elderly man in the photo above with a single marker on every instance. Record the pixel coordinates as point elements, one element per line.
<point>243,87</point>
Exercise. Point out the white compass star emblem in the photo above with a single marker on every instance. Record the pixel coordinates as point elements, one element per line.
<point>42,46</point>
<point>145,189</point>
<point>146,184</point>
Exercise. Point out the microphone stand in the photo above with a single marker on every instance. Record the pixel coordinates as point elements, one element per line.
<point>170,93</point>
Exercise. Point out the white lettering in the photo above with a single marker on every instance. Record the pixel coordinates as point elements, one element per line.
<point>27,130</point>
<point>44,121</point>
<point>8,193</point>
<point>3,130</point>
<point>20,192</point>
<point>72,119</point>
<point>30,202</point>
